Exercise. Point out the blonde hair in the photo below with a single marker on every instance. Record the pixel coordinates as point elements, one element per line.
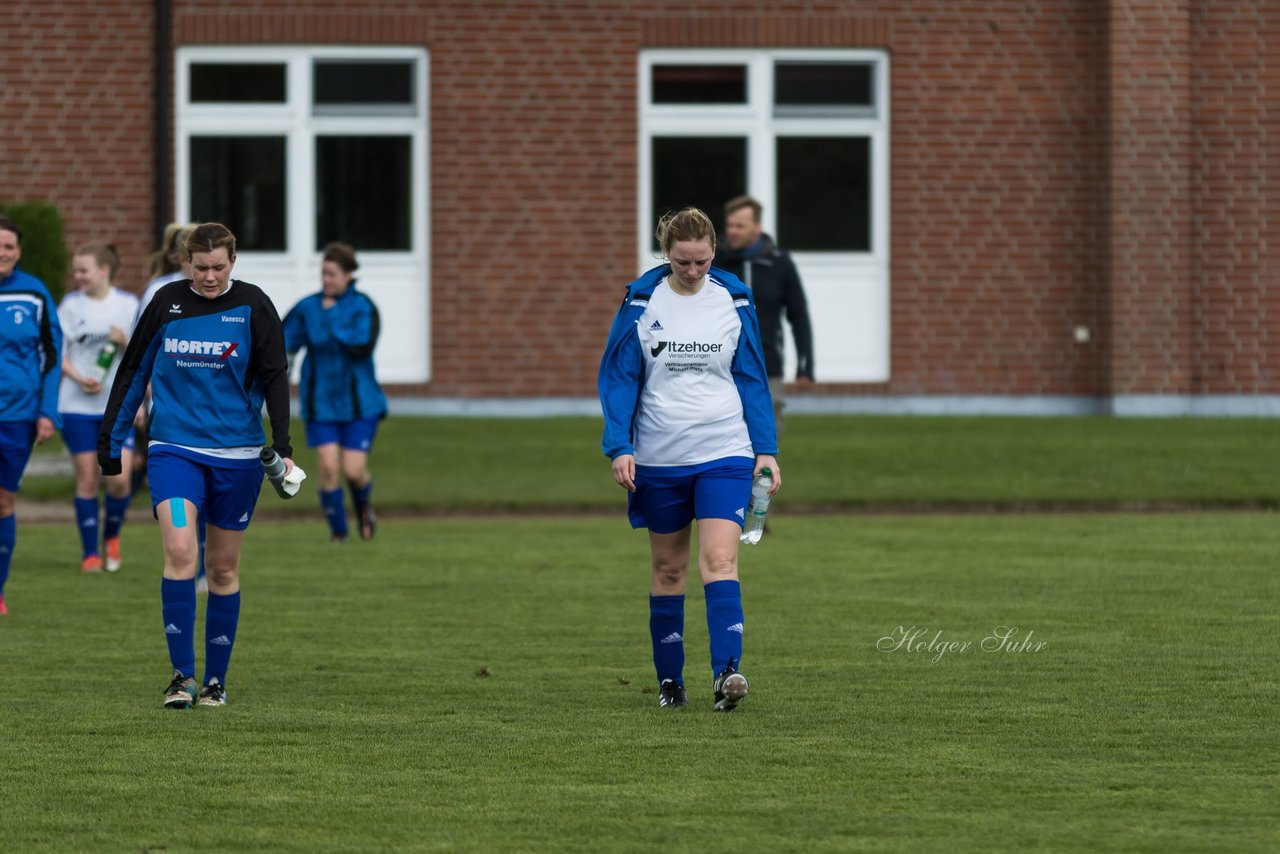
<point>168,258</point>
<point>684,225</point>
<point>104,255</point>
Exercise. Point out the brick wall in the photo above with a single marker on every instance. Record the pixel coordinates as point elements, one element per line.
<point>77,119</point>
<point>1236,197</point>
<point>1055,164</point>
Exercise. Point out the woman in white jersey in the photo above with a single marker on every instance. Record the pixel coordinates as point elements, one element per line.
<point>688,423</point>
<point>95,320</point>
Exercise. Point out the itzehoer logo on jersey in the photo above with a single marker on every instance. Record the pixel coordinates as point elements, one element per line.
<point>195,353</point>
<point>685,348</point>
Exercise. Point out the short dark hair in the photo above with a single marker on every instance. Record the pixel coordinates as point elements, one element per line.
<point>208,236</point>
<point>739,202</point>
<point>342,254</point>
<point>7,224</point>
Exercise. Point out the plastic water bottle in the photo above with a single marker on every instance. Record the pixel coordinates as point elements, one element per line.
<point>273,466</point>
<point>759,507</point>
<point>106,356</point>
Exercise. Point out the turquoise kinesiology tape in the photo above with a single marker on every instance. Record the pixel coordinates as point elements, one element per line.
<point>178,510</point>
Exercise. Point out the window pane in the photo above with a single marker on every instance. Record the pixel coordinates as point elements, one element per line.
<point>240,181</point>
<point>699,84</point>
<point>824,193</point>
<point>702,172</point>
<point>364,185</point>
<point>825,84</point>
<point>237,84</point>
<point>389,82</point>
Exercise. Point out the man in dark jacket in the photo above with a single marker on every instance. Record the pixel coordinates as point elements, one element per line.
<point>752,256</point>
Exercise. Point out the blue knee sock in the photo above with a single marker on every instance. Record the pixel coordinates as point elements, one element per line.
<point>360,495</point>
<point>178,600</point>
<point>724,624</point>
<point>221,617</point>
<point>116,508</point>
<point>666,628</point>
<point>8,539</point>
<point>87,522</point>
<point>334,512</point>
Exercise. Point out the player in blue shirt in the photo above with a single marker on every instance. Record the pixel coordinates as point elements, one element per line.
<point>688,424</point>
<point>213,350</point>
<point>339,395</point>
<point>30,363</point>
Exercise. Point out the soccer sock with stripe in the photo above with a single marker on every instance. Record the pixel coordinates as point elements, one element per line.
<point>116,508</point>
<point>724,623</point>
<point>666,628</point>
<point>220,621</point>
<point>334,511</point>
<point>8,540</point>
<point>87,523</point>
<point>178,605</point>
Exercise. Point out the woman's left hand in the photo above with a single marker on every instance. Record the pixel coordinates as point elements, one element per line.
<point>44,430</point>
<point>770,462</point>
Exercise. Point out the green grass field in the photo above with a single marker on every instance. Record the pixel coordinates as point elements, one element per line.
<point>485,685</point>
<point>443,465</point>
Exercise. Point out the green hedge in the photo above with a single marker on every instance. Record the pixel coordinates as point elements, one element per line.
<point>44,243</point>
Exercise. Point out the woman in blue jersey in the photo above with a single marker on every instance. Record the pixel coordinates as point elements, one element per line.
<point>688,423</point>
<point>30,351</point>
<point>213,351</point>
<point>340,398</point>
<point>95,322</point>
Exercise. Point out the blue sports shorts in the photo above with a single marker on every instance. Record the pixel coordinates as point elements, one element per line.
<point>668,498</point>
<point>80,433</point>
<point>224,497</point>
<point>17,438</point>
<point>353,435</point>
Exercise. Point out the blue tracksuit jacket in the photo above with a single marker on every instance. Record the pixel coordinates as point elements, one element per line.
<point>338,382</point>
<point>621,377</point>
<point>30,350</point>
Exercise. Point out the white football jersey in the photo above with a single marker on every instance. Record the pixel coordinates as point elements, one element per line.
<point>86,323</point>
<point>690,411</point>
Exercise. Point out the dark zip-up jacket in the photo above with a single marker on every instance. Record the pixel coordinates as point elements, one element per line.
<point>775,286</point>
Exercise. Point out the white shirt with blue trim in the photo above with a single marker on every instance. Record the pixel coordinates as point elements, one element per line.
<point>690,411</point>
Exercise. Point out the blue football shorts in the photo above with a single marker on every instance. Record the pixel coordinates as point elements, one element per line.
<point>224,497</point>
<point>80,433</point>
<point>17,438</point>
<point>668,498</point>
<point>352,435</point>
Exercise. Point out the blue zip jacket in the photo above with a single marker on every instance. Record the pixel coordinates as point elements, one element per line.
<point>338,381</point>
<point>30,350</point>
<point>212,364</point>
<point>621,377</point>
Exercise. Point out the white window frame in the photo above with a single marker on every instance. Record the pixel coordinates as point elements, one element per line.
<point>398,281</point>
<point>828,276</point>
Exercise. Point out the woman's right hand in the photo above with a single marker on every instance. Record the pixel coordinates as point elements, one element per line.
<point>89,386</point>
<point>624,471</point>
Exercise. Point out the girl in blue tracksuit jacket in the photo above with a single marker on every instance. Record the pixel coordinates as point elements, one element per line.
<point>340,398</point>
<point>30,363</point>
<point>688,423</point>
